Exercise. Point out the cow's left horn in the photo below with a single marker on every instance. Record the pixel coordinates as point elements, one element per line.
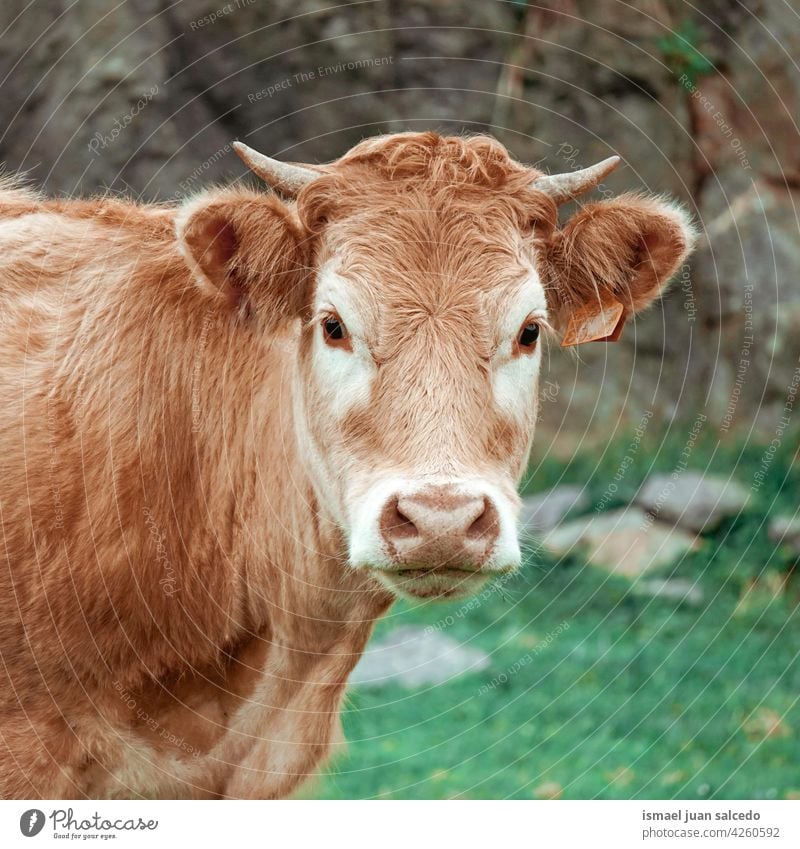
<point>288,179</point>
<point>567,186</point>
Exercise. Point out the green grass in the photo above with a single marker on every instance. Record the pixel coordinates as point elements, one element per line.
<point>637,698</point>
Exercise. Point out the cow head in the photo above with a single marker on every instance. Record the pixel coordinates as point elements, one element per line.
<point>424,275</point>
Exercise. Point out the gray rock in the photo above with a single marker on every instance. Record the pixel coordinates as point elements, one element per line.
<point>785,530</point>
<point>692,500</point>
<point>413,657</point>
<point>545,510</point>
<point>681,590</point>
<point>751,248</point>
<point>625,542</point>
<point>767,102</point>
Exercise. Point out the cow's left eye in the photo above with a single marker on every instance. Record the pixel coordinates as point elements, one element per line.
<point>528,335</point>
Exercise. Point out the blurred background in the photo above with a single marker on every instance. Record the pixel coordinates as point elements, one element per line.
<point>650,647</point>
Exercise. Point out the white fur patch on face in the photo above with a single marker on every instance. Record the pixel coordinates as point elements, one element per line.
<point>348,373</point>
<point>514,376</point>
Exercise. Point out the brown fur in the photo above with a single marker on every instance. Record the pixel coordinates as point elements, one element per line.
<point>177,615</point>
<point>626,248</point>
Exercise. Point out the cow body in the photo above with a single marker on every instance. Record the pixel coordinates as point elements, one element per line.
<point>232,432</point>
<point>138,450</point>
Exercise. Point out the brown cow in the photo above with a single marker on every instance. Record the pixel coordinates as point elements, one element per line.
<point>234,430</point>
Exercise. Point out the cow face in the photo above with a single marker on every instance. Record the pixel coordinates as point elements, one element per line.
<point>438,272</point>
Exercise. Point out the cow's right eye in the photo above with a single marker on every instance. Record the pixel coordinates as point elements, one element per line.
<point>335,332</point>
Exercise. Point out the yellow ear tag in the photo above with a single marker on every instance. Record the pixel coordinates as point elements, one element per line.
<point>595,322</point>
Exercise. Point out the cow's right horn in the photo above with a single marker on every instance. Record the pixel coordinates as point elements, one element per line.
<point>286,178</point>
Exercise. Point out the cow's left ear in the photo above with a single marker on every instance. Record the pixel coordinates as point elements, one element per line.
<point>247,251</point>
<point>610,261</point>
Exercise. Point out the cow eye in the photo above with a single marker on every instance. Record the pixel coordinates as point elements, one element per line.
<point>334,331</point>
<point>526,339</point>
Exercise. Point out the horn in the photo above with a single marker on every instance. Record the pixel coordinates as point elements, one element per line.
<point>285,177</point>
<point>567,186</point>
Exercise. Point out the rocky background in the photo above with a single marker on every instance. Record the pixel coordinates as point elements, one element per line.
<point>144,97</point>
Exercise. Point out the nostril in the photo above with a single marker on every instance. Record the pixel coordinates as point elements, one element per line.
<point>485,525</point>
<point>395,524</point>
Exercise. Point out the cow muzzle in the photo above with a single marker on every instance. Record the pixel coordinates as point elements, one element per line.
<point>435,540</point>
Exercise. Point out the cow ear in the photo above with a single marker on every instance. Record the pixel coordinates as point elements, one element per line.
<point>246,250</point>
<point>610,261</point>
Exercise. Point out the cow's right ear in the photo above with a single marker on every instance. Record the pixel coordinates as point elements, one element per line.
<point>246,250</point>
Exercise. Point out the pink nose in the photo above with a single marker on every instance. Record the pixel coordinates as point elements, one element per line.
<point>440,527</point>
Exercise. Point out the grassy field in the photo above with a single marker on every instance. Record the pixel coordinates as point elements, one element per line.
<point>636,697</point>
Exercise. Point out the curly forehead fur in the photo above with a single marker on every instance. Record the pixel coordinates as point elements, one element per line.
<point>476,160</point>
<point>443,218</point>
<point>466,173</point>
